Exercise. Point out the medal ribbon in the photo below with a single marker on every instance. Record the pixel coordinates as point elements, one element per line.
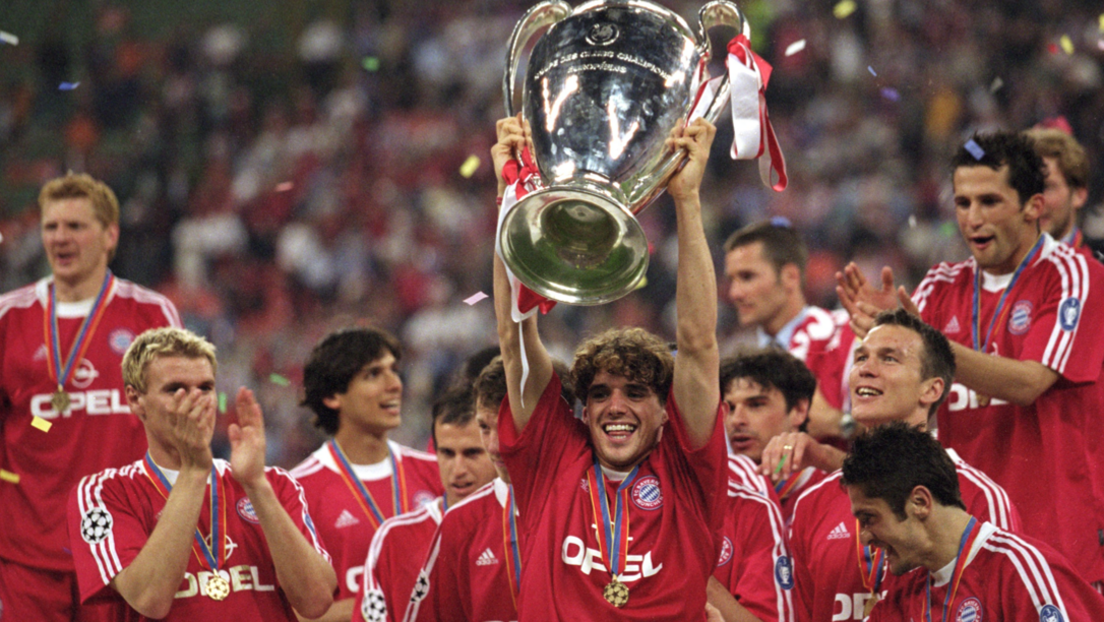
<point>964,545</point>
<point>509,536</point>
<point>613,536</point>
<point>215,555</point>
<point>786,486</point>
<point>360,492</point>
<point>1000,311</point>
<point>84,335</point>
<point>753,133</point>
<point>871,564</point>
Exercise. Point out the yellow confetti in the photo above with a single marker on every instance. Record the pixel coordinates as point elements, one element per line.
<point>468,168</point>
<point>1067,44</point>
<point>643,283</point>
<point>844,8</point>
<point>1101,22</point>
<point>41,424</point>
<point>8,476</point>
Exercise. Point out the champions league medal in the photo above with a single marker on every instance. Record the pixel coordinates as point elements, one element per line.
<point>867,608</point>
<point>983,400</point>
<point>59,401</point>
<point>616,593</point>
<point>218,588</point>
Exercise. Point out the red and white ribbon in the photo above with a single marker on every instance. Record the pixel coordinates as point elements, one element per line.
<point>748,75</point>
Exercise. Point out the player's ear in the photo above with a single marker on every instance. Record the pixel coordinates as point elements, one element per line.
<point>332,402</point>
<point>790,275</point>
<point>136,407</point>
<point>920,502</point>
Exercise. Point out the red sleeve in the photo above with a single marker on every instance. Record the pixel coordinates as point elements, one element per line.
<point>706,468</point>
<point>105,534</point>
<point>1059,337</point>
<point>447,589</point>
<point>373,583</point>
<point>803,592</point>
<point>761,575</point>
<point>291,496</point>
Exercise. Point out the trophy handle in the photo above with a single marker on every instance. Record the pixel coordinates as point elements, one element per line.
<point>540,15</point>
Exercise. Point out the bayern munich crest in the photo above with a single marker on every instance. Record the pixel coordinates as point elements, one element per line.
<point>1050,613</point>
<point>646,493</point>
<point>373,607</point>
<point>423,498</point>
<point>95,525</point>
<point>1020,318</point>
<point>726,552</point>
<point>119,340</point>
<point>969,611</point>
<point>246,511</point>
<point>783,572</point>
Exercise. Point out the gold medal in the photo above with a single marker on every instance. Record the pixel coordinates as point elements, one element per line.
<point>616,593</point>
<point>60,401</point>
<point>218,588</point>
<point>869,606</point>
<point>983,400</point>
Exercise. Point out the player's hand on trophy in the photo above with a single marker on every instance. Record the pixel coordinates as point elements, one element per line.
<point>695,139</point>
<point>247,440</point>
<point>513,136</point>
<point>192,416</point>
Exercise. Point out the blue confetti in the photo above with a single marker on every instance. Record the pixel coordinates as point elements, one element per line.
<point>68,86</point>
<point>871,70</point>
<point>974,149</point>
<point>891,94</point>
<point>780,221</point>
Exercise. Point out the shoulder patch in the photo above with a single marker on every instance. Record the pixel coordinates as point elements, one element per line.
<point>95,525</point>
<point>1069,313</point>
<point>373,607</point>
<point>783,572</point>
<point>1050,613</point>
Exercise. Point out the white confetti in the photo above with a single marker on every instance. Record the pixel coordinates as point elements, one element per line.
<point>9,38</point>
<point>795,47</point>
<point>996,85</point>
<point>474,298</point>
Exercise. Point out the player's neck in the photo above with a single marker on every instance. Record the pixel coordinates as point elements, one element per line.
<point>946,526</point>
<point>164,457</point>
<point>69,290</point>
<point>785,315</point>
<point>360,447</point>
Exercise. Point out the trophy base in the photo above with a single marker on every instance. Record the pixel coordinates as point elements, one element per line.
<point>574,245</point>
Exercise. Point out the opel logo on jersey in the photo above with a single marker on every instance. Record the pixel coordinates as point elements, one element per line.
<point>783,572</point>
<point>1020,319</point>
<point>1069,313</point>
<point>1050,613</point>
<point>84,374</point>
<point>576,553</point>
<point>646,493</point>
<point>969,611</point>
<point>246,511</point>
<point>726,552</point>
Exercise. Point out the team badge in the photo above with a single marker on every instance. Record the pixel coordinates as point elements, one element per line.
<point>1050,613</point>
<point>95,525</point>
<point>1020,318</point>
<point>423,497</point>
<point>783,572</point>
<point>373,607</point>
<point>120,340</point>
<point>726,552</point>
<point>1069,313</point>
<point>646,493</point>
<point>246,511</point>
<point>969,611</point>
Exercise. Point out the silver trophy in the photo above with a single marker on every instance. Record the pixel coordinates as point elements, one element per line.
<point>604,87</point>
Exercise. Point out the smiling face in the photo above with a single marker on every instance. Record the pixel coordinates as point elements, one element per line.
<point>372,401</point>
<point>759,292</point>
<point>465,465</point>
<point>756,414</point>
<point>78,246</point>
<point>886,383</point>
<point>998,226</point>
<point>625,419</point>
<point>905,542</point>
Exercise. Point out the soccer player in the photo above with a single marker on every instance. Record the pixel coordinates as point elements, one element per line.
<point>182,535</point>
<point>618,509</point>
<point>358,479</point>
<point>63,410</point>
<point>1066,185</point>
<point>1026,405</point>
<point>399,547</point>
<point>901,372</point>
<point>767,394</point>
<point>905,497</point>
<point>765,265</point>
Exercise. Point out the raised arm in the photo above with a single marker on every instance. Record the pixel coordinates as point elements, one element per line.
<point>150,582</point>
<point>306,577</point>
<point>697,362</point>
<point>513,135</point>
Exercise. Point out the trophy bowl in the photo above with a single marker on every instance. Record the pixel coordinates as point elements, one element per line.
<point>604,87</point>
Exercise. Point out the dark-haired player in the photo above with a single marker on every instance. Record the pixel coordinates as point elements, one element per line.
<point>358,479</point>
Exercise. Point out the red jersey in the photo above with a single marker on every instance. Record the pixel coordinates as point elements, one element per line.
<point>1007,577</point>
<point>466,574</point>
<point>823,340</point>
<point>112,513</point>
<point>394,559</point>
<point>1044,453</point>
<point>789,489</point>
<point>830,581</point>
<point>97,431</point>
<point>754,563</point>
<point>345,527</point>
<point>676,508</point>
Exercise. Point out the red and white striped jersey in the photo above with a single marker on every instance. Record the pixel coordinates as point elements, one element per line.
<point>394,559</point>
<point>824,341</point>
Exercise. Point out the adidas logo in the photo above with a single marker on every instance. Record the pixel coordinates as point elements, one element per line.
<point>952,326</point>
<point>839,532</point>
<point>345,520</point>
<point>486,558</point>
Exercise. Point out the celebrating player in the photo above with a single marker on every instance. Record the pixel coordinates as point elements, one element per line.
<point>905,497</point>
<point>182,535</point>
<point>63,410</point>
<point>1028,397</point>
<point>901,372</point>
<point>399,547</point>
<point>358,479</point>
<point>618,510</point>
